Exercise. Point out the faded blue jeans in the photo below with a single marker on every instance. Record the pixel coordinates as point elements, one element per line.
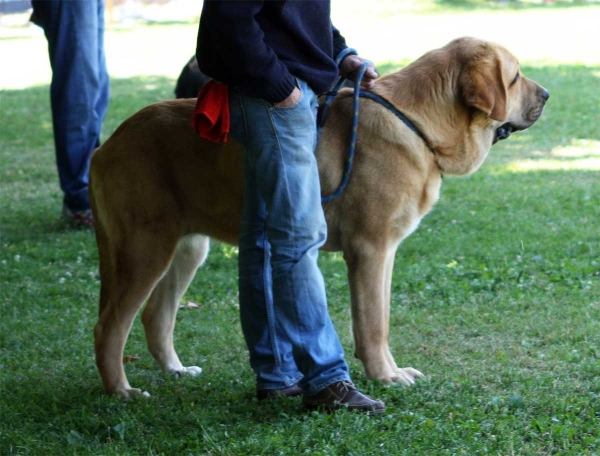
<point>79,90</point>
<point>283,305</point>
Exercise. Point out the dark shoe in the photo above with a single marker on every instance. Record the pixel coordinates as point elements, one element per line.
<point>290,391</point>
<point>343,395</point>
<point>78,218</point>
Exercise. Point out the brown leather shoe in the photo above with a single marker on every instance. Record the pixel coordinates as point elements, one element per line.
<point>290,391</point>
<point>343,395</point>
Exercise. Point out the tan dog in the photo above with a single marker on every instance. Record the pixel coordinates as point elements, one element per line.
<point>159,192</point>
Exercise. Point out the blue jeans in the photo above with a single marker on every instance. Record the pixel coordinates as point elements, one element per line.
<point>283,306</point>
<point>79,90</point>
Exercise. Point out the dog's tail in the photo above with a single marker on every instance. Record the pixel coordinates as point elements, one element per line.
<point>102,240</point>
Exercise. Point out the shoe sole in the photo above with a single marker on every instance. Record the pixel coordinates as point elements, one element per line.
<point>329,409</point>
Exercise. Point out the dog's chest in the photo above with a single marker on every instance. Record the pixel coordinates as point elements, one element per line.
<point>418,205</point>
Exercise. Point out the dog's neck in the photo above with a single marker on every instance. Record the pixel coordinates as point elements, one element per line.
<point>431,99</point>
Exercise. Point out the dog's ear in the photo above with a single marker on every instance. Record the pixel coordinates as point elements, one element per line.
<point>483,88</point>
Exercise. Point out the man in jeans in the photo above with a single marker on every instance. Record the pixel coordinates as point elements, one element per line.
<point>79,93</point>
<point>275,57</point>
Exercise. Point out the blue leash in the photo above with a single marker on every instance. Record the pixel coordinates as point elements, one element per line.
<point>324,110</point>
<point>322,116</point>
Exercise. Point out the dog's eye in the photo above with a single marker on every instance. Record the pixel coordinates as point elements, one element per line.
<point>514,81</point>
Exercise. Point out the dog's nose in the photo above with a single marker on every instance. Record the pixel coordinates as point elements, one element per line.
<point>545,95</point>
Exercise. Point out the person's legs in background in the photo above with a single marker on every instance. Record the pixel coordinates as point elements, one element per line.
<point>79,92</point>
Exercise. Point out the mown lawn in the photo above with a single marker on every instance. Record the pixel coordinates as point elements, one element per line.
<point>496,298</point>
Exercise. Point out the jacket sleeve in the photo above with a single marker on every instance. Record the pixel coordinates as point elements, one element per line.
<point>239,41</point>
<point>339,42</point>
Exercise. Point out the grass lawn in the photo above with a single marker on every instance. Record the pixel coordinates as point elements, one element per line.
<point>496,296</point>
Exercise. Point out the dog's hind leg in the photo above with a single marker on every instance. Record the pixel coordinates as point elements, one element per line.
<point>136,265</point>
<point>159,315</point>
<point>104,257</point>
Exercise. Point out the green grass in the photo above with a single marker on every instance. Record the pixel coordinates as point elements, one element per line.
<point>496,298</point>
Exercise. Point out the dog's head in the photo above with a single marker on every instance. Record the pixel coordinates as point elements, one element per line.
<point>491,81</point>
<point>465,97</point>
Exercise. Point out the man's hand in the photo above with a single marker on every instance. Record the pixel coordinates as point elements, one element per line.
<point>349,69</point>
<point>291,100</point>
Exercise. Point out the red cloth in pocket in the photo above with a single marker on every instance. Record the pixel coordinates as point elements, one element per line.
<point>211,116</point>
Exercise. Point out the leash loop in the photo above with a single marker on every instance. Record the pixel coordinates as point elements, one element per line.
<point>329,96</point>
<point>324,109</point>
<point>323,116</point>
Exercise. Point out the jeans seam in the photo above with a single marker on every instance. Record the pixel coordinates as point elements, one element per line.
<point>270,306</point>
<point>290,220</point>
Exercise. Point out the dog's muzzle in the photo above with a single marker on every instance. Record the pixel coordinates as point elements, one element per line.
<point>505,130</point>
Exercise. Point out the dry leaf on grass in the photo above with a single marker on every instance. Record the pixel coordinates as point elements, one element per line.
<point>189,305</point>
<point>130,359</point>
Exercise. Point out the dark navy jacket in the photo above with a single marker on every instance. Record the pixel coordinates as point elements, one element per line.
<point>261,45</point>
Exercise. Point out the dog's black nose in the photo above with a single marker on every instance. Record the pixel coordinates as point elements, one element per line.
<point>545,95</point>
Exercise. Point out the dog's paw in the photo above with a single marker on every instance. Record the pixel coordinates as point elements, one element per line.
<point>192,371</point>
<point>392,374</point>
<point>406,376</point>
<point>131,393</point>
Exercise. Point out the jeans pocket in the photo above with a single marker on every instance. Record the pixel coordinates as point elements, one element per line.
<point>288,108</point>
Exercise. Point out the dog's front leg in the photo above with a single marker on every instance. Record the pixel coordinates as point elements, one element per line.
<point>369,274</point>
